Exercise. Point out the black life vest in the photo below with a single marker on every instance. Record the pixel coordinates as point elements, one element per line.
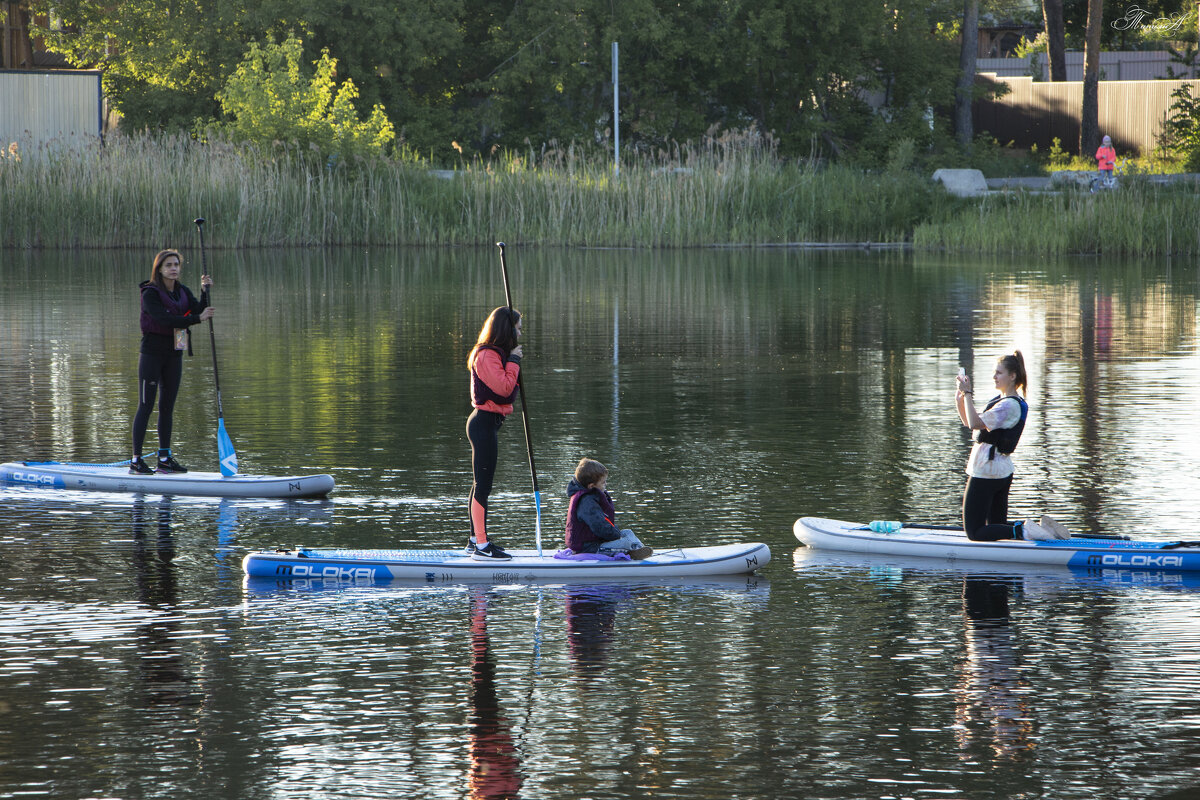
<point>482,393</point>
<point>180,305</point>
<point>1003,439</point>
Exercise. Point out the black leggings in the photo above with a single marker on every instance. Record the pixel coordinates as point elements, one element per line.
<point>483,432</point>
<point>155,373</point>
<point>985,510</point>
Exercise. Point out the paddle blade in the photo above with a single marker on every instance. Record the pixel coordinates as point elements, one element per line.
<point>537,503</point>
<point>225,451</point>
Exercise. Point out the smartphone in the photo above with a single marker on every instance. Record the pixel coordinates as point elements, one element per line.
<point>962,372</point>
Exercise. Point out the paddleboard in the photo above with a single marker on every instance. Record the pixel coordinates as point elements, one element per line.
<point>117,478</point>
<point>452,566</point>
<point>1127,554</point>
<point>884,568</point>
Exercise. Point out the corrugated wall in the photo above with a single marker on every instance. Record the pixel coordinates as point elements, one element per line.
<point>1131,112</point>
<point>38,106</point>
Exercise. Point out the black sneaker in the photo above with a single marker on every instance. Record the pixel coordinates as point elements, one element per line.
<point>490,552</point>
<point>169,464</point>
<point>470,545</point>
<point>139,467</point>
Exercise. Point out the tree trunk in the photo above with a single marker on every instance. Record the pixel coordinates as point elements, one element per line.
<point>964,127</point>
<point>1056,42</point>
<point>1089,121</point>
<point>16,47</point>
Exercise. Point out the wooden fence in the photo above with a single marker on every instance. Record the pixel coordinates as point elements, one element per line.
<point>1131,112</point>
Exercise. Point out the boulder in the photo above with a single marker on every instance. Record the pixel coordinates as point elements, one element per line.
<point>962,182</point>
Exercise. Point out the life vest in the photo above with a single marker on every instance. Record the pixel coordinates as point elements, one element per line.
<point>482,393</point>
<point>181,306</point>
<point>1004,439</point>
<point>579,535</point>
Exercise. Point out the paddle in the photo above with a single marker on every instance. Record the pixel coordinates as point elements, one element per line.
<point>926,527</point>
<point>225,453</point>
<point>537,495</point>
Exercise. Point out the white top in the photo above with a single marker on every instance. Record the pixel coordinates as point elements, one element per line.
<point>1004,414</point>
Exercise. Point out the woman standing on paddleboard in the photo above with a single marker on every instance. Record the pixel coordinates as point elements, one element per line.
<point>990,469</point>
<point>495,366</point>
<point>168,309</point>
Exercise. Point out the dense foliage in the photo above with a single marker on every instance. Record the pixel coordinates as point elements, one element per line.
<point>269,99</point>
<point>474,76</point>
<point>463,78</point>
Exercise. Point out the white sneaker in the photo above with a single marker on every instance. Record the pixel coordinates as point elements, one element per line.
<point>1054,526</point>
<point>490,551</point>
<point>1036,533</point>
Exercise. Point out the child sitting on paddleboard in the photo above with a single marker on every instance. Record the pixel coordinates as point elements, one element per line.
<point>591,516</point>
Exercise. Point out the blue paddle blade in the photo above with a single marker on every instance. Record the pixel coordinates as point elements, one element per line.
<point>225,451</point>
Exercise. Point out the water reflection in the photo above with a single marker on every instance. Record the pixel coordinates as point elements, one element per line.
<point>733,392</point>
<point>992,708</point>
<point>591,613</point>
<point>495,762</point>
<point>164,677</point>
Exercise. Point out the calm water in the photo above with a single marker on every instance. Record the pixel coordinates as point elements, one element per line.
<point>729,393</point>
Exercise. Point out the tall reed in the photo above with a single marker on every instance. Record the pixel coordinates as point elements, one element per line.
<point>1141,219</point>
<point>144,191</point>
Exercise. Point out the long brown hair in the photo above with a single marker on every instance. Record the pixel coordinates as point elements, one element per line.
<point>500,330</point>
<point>1015,364</point>
<point>155,271</point>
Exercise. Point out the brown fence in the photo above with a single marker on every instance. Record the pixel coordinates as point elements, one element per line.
<point>1131,112</point>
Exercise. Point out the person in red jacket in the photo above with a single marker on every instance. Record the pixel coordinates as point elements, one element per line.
<point>495,366</point>
<point>1106,159</point>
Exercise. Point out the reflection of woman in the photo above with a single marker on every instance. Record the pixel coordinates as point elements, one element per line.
<point>166,680</point>
<point>495,365</point>
<point>991,690</point>
<point>495,767</point>
<point>990,468</point>
<point>168,309</point>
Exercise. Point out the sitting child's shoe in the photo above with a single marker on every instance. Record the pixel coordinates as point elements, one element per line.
<point>169,464</point>
<point>139,467</point>
<point>639,553</point>
<point>490,552</point>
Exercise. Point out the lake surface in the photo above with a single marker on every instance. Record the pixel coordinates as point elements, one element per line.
<point>729,392</point>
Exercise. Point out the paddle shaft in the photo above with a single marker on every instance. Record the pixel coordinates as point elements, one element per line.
<point>212,336</point>
<point>923,526</point>
<point>537,495</point>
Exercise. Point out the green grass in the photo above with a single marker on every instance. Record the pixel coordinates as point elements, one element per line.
<point>732,189</point>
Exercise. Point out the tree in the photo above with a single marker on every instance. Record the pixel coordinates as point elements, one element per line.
<point>268,98</point>
<point>1056,42</point>
<point>1089,123</point>
<point>964,128</point>
<point>163,60</point>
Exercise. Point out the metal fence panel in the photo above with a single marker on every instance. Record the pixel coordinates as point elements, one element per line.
<point>39,106</point>
<point>1037,112</point>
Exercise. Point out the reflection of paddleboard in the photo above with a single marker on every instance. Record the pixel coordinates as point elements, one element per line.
<point>1124,554</point>
<point>454,566</point>
<point>892,568</point>
<point>751,585</point>
<point>117,478</point>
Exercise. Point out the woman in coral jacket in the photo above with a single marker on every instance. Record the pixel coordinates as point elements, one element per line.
<point>495,365</point>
